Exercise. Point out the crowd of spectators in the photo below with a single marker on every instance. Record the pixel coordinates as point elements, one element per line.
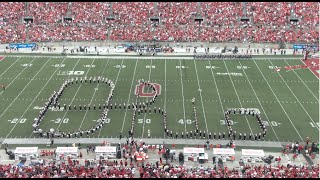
<point>222,13</point>
<point>47,12</point>
<point>90,12</point>
<point>270,21</point>
<point>114,169</point>
<point>132,13</point>
<point>274,13</point>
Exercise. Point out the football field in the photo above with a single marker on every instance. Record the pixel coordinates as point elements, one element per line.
<point>287,100</point>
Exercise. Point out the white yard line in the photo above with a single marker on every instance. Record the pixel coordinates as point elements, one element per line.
<point>214,79</point>
<point>303,82</point>
<point>296,98</point>
<point>144,117</point>
<point>310,69</point>
<point>259,102</point>
<point>278,101</point>
<point>237,95</point>
<point>35,98</point>
<point>115,85</point>
<point>200,91</point>
<point>19,95</point>
<point>51,77</point>
<point>184,109</point>
<point>23,88</point>
<point>17,75</point>
<point>125,114</point>
<point>85,115</point>
<point>74,95</point>
<point>10,66</point>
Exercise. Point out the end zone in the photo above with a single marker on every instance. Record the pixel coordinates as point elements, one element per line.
<point>313,65</point>
<point>2,58</point>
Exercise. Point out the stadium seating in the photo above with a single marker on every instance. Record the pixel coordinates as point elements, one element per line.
<point>90,12</point>
<point>112,169</point>
<point>270,21</point>
<point>11,12</point>
<point>47,12</point>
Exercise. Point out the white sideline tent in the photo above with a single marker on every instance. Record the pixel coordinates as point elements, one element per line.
<point>65,152</point>
<point>224,153</point>
<point>252,155</point>
<point>26,153</point>
<point>192,153</point>
<point>105,152</point>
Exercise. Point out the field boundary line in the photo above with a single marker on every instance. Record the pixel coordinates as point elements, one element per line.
<point>125,114</point>
<point>200,91</point>
<point>182,91</point>
<point>260,103</point>
<point>145,114</point>
<point>296,98</point>
<point>65,141</point>
<point>85,115</point>
<point>278,100</point>
<point>303,82</point>
<point>20,94</point>
<point>75,93</point>
<point>237,95</point>
<point>115,83</point>
<point>36,96</point>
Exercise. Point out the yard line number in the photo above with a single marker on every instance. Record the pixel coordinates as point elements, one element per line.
<point>59,65</point>
<point>26,65</point>
<point>314,124</point>
<point>147,121</point>
<point>223,122</point>
<point>107,120</point>
<point>16,120</point>
<point>242,67</point>
<point>182,121</point>
<point>273,123</point>
<point>89,66</point>
<point>58,120</point>
<point>148,66</point>
<point>273,67</point>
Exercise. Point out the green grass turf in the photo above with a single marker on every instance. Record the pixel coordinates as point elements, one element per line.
<point>288,104</point>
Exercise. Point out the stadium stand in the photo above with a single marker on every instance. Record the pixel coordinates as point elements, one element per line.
<point>270,21</point>
<point>114,169</point>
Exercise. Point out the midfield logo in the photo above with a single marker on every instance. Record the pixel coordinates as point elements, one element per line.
<point>141,88</point>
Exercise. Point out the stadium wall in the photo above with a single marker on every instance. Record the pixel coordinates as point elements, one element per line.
<point>172,44</point>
